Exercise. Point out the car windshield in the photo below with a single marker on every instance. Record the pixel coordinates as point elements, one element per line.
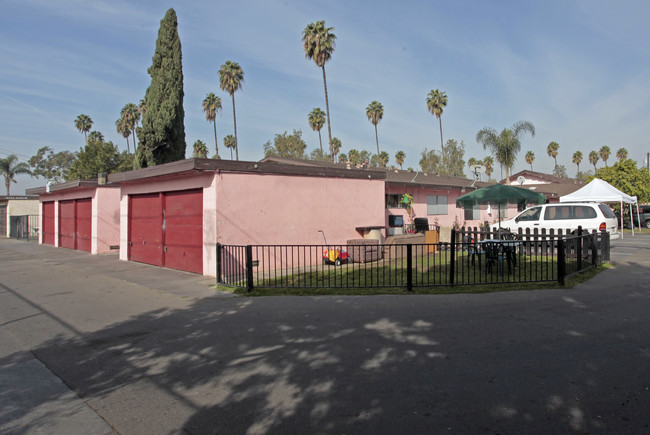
<point>532,214</point>
<point>607,212</point>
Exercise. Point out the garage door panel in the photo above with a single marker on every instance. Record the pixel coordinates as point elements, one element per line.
<point>83,224</point>
<point>48,223</point>
<point>66,224</point>
<point>145,229</point>
<point>184,230</point>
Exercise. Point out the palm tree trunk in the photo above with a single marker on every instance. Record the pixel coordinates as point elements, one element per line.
<point>234,117</point>
<point>216,144</point>
<point>128,149</point>
<point>320,141</point>
<point>327,107</point>
<point>133,134</point>
<point>377,140</point>
<point>441,143</point>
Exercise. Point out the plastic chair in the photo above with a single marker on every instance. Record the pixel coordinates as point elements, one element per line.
<point>473,250</point>
<point>493,255</point>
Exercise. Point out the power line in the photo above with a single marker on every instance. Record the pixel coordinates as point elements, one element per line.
<point>9,152</point>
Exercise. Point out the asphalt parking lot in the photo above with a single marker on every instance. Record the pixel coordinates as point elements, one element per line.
<point>91,344</point>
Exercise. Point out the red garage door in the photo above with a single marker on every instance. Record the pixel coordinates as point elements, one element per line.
<point>66,224</point>
<point>184,230</point>
<point>48,223</point>
<point>83,224</point>
<point>166,229</point>
<point>75,224</point>
<point>145,229</point>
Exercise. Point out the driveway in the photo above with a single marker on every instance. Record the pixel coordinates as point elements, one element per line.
<point>158,351</point>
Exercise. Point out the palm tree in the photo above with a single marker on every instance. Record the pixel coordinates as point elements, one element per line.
<point>488,162</point>
<point>318,43</point>
<point>229,142</point>
<point>621,154</point>
<point>231,78</point>
<point>551,150</point>
<point>131,116</point>
<point>211,106</point>
<point>375,112</point>
<point>384,158</point>
<point>96,136</point>
<point>399,158</point>
<point>593,159</point>
<point>604,153</point>
<point>142,108</point>
<point>505,145</point>
<point>316,122</point>
<point>121,128</point>
<point>200,150</point>
<point>84,123</point>
<point>9,170</point>
<point>530,158</point>
<point>335,147</point>
<point>577,158</point>
<point>436,101</point>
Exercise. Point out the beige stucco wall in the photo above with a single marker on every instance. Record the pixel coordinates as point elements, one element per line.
<point>20,207</point>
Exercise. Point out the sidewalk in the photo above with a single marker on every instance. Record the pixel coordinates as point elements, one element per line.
<point>32,399</point>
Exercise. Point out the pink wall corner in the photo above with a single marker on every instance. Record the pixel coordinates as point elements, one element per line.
<point>281,209</point>
<point>106,219</point>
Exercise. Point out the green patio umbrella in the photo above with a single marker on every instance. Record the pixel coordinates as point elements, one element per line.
<point>500,194</point>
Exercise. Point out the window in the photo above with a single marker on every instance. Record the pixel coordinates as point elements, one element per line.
<point>584,212</point>
<point>473,213</point>
<point>606,211</point>
<point>532,214</point>
<point>502,209</point>
<point>394,200</point>
<point>437,204</point>
<point>556,213</point>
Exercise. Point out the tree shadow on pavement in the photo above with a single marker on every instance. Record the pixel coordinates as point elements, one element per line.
<point>462,363</point>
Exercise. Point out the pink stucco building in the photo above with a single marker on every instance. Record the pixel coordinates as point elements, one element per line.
<point>81,215</point>
<point>174,215</point>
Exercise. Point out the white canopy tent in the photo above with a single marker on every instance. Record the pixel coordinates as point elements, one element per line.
<point>598,190</point>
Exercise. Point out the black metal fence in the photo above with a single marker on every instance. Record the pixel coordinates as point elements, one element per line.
<point>470,258</point>
<point>24,227</point>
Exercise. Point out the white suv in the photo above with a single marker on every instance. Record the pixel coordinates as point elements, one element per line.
<point>567,216</point>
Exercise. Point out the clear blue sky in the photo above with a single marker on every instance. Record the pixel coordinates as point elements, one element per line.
<point>578,70</point>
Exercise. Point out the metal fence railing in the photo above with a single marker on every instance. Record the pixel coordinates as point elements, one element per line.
<point>24,227</point>
<point>469,258</point>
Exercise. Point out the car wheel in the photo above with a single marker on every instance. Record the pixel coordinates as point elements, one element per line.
<point>337,262</point>
<point>647,224</point>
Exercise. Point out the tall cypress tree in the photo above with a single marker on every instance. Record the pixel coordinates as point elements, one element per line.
<point>162,135</point>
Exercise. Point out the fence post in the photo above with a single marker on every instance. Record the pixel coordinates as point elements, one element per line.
<point>409,268</point>
<point>561,261</point>
<point>218,263</point>
<point>249,267</point>
<point>452,257</point>
<point>594,249</point>
<point>579,248</point>
<point>605,243</point>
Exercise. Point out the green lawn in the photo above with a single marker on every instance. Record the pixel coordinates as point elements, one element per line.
<point>430,276</point>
